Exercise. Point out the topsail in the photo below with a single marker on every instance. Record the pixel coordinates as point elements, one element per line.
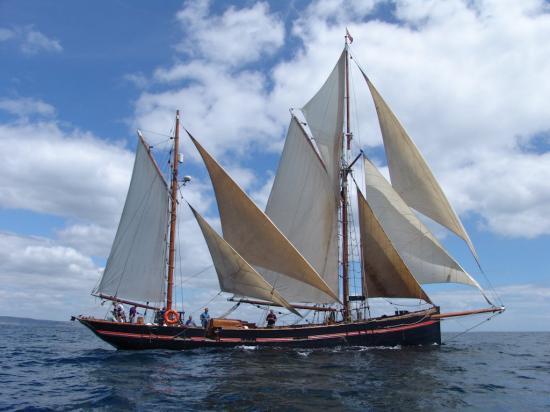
<point>303,202</point>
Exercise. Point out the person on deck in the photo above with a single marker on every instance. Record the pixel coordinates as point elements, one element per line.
<point>182,317</point>
<point>159,318</point>
<point>205,318</point>
<point>190,322</point>
<point>132,314</point>
<point>121,316</point>
<point>271,319</point>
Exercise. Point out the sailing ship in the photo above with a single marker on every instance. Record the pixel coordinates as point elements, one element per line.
<point>295,255</point>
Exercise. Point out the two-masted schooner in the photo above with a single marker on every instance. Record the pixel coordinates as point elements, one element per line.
<point>295,254</point>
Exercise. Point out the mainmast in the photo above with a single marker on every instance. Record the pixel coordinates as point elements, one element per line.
<point>173,209</point>
<point>344,193</point>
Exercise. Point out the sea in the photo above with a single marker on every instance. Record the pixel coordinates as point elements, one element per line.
<point>62,366</point>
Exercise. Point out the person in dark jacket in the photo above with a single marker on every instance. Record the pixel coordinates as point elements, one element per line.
<point>271,319</point>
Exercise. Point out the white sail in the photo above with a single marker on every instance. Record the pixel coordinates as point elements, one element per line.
<point>234,273</point>
<point>410,175</point>
<point>254,236</point>
<point>303,205</point>
<point>384,272</point>
<point>136,266</point>
<point>324,115</point>
<point>422,253</point>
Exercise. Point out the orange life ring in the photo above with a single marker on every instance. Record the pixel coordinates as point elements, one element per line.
<point>171,317</point>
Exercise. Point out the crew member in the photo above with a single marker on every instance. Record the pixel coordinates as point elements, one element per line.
<point>271,319</point>
<point>132,313</point>
<point>205,318</point>
<point>159,318</point>
<point>190,322</point>
<point>121,316</point>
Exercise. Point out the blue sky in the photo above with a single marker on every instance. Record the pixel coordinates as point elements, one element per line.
<point>467,79</point>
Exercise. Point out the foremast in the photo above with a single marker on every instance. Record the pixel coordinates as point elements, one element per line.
<point>173,215</point>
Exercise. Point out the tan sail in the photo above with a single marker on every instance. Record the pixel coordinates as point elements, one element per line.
<point>303,205</point>
<point>384,272</point>
<point>410,175</point>
<point>234,273</point>
<point>426,259</point>
<point>252,233</point>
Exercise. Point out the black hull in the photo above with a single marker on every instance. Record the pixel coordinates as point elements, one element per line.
<point>413,329</point>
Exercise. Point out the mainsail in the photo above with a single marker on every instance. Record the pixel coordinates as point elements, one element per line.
<point>410,175</point>
<point>384,272</point>
<point>303,202</point>
<point>136,266</point>
<point>422,253</point>
<point>234,273</point>
<point>254,236</point>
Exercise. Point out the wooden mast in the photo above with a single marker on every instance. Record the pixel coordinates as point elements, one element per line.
<point>173,208</point>
<point>344,193</point>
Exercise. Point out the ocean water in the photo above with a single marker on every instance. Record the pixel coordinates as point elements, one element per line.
<point>63,366</point>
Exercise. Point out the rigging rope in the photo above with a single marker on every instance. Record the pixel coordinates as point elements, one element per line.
<point>454,337</point>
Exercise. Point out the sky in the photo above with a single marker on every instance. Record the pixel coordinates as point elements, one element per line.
<point>468,80</point>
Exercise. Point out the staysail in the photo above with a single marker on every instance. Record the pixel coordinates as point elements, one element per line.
<point>254,236</point>
<point>136,266</point>
<point>424,256</point>
<point>384,272</point>
<point>410,175</point>
<point>234,273</point>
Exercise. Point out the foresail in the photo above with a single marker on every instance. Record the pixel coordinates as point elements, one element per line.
<point>253,235</point>
<point>135,268</point>
<point>424,256</point>
<point>324,115</point>
<point>303,205</point>
<point>410,175</point>
<point>384,272</point>
<point>234,273</point>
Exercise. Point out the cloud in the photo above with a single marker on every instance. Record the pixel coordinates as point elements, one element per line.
<point>25,106</point>
<point>237,37</point>
<point>6,34</point>
<point>30,41</point>
<point>66,173</point>
<point>40,278</point>
<point>90,239</point>
<point>469,116</point>
<point>235,108</point>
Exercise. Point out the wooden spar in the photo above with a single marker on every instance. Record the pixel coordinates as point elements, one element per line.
<point>173,208</point>
<point>344,193</point>
<point>468,312</point>
<point>128,302</point>
<point>261,302</point>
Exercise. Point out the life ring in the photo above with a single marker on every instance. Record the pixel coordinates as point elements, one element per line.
<point>171,317</point>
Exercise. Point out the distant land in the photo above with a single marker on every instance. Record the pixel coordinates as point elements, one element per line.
<point>18,320</point>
